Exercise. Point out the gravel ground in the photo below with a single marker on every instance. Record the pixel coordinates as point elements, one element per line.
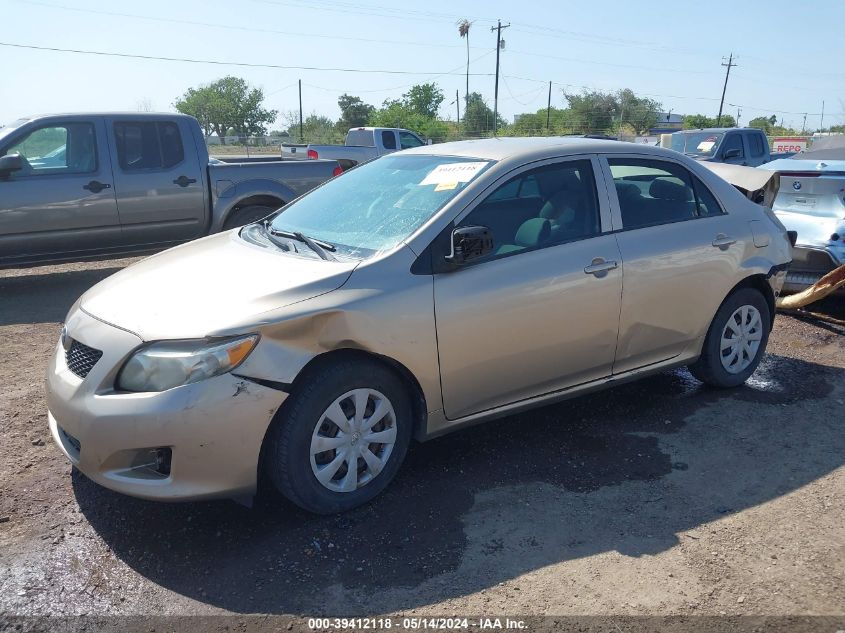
<point>656,498</point>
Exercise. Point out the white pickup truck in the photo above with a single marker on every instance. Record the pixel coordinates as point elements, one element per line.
<point>362,144</point>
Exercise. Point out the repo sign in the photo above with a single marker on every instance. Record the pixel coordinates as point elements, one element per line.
<point>789,144</point>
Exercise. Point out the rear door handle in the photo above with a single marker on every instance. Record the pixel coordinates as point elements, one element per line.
<point>95,186</point>
<point>723,241</point>
<point>184,181</point>
<point>599,267</point>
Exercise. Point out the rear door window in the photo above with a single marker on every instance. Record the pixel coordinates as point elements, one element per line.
<point>652,192</point>
<point>388,139</point>
<point>148,145</point>
<point>755,143</point>
<point>360,138</point>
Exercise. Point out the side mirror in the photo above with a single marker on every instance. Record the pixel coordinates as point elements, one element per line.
<point>10,163</point>
<point>469,243</point>
<point>732,153</point>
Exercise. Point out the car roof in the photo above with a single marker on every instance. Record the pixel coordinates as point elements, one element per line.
<point>535,148</point>
<point>107,114</point>
<point>715,130</point>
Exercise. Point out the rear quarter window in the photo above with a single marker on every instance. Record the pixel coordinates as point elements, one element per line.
<point>360,138</point>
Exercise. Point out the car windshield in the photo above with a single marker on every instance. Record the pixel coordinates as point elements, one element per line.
<point>371,208</point>
<point>698,143</point>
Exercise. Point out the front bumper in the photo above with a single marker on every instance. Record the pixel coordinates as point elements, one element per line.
<point>213,428</point>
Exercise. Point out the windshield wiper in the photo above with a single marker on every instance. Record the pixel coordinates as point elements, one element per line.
<point>323,249</point>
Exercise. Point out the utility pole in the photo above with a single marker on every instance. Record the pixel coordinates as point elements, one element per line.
<point>804,124</point>
<point>458,105</point>
<point>738,113</point>
<point>729,65</point>
<point>549,108</point>
<point>301,135</point>
<point>499,43</point>
<point>821,123</point>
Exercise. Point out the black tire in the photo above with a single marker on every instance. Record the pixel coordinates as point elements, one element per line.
<point>247,215</point>
<point>708,368</point>
<point>287,457</point>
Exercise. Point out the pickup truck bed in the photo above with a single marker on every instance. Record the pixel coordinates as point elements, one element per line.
<point>362,144</point>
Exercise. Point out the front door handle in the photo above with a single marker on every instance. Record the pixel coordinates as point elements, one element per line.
<point>599,267</point>
<point>184,181</point>
<point>723,241</point>
<point>95,186</point>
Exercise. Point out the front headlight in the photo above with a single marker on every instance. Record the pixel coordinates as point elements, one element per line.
<point>169,364</point>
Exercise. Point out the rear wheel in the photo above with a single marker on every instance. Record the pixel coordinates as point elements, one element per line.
<point>736,340</point>
<point>341,436</point>
<point>247,215</point>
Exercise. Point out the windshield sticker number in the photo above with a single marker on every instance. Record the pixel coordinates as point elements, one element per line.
<point>451,174</point>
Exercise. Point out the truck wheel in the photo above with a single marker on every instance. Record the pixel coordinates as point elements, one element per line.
<point>735,341</point>
<point>247,215</point>
<point>340,438</point>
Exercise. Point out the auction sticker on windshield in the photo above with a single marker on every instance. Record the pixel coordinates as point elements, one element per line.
<point>448,176</point>
<point>707,144</point>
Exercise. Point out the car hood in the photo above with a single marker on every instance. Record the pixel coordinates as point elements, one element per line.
<point>201,288</point>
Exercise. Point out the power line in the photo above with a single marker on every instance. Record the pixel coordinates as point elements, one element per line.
<point>353,70</point>
<point>225,63</point>
<point>231,27</point>
<point>454,71</point>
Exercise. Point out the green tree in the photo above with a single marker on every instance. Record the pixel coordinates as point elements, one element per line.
<point>698,121</point>
<point>592,112</point>
<point>227,103</point>
<point>318,129</point>
<point>424,99</point>
<point>764,123</point>
<point>353,112</point>
<point>478,116</point>
<point>641,113</point>
<point>596,112</point>
<point>199,103</point>
<point>395,113</point>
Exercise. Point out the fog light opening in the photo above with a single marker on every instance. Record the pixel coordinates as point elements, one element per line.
<point>163,457</point>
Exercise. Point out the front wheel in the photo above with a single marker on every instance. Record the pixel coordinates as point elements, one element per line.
<point>341,436</point>
<point>736,340</point>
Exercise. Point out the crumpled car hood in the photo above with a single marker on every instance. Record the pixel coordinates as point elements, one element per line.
<point>203,287</point>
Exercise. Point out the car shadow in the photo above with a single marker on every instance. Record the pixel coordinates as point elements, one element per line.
<point>625,470</point>
<point>23,296</point>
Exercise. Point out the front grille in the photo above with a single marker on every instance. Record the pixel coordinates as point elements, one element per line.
<point>80,358</point>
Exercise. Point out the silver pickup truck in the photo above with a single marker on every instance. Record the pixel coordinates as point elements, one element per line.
<point>361,144</point>
<point>84,186</point>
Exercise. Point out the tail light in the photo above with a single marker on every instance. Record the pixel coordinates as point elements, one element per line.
<point>312,154</point>
<point>337,171</point>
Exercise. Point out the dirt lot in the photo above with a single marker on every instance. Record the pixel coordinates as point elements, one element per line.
<point>659,497</point>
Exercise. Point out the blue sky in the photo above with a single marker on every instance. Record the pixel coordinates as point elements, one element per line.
<point>790,55</point>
